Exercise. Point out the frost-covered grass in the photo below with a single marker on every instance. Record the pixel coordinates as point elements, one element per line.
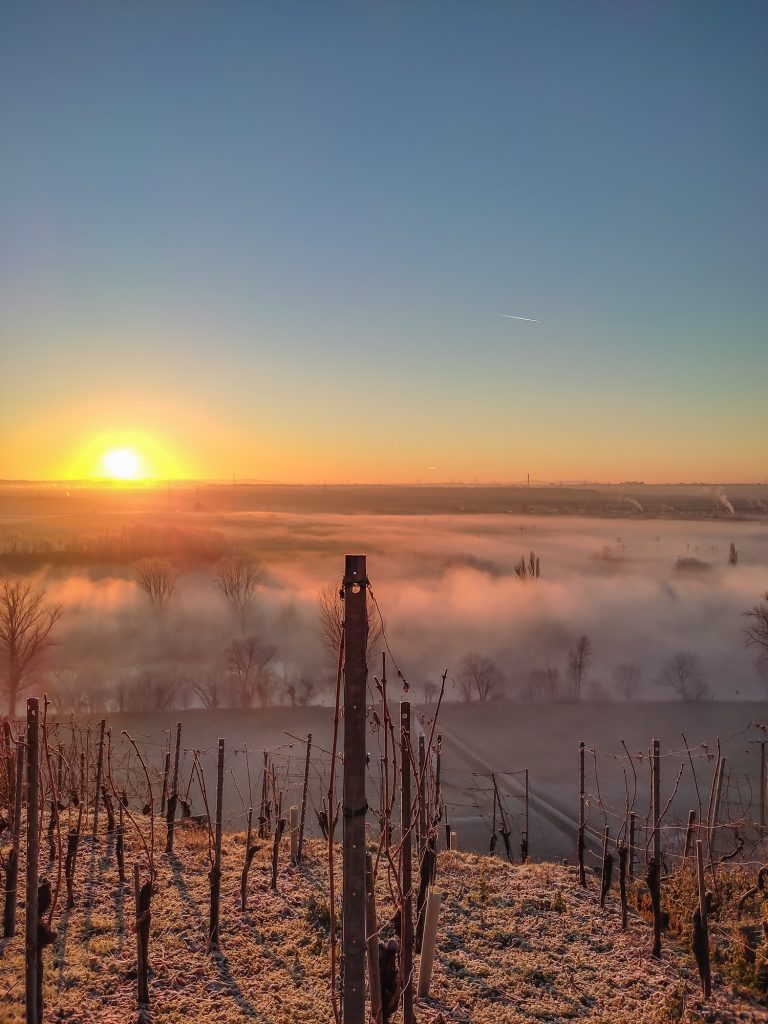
<point>515,944</point>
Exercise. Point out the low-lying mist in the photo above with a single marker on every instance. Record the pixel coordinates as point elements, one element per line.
<point>446,587</point>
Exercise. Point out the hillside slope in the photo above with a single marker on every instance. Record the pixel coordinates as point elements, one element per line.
<point>516,944</point>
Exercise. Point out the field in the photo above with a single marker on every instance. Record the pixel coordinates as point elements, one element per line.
<point>502,737</point>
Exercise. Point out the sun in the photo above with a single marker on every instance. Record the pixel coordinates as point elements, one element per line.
<point>122,464</point>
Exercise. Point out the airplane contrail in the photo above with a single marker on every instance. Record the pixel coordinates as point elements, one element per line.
<point>529,319</point>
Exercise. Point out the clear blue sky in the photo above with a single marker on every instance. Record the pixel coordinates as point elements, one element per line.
<point>219,220</point>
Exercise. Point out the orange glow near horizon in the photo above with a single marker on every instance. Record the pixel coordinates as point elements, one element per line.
<point>126,457</point>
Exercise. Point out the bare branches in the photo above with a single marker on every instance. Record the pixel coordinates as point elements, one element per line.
<point>238,582</point>
<point>26,624</point>
<point>157,578</point>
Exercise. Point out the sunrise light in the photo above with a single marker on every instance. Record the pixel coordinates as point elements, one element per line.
<point>122,464</point>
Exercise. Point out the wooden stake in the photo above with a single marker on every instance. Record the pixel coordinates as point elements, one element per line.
<point>716,809</point>
<point>428,942</point>
<point>372,942</point>
<point>33,852</point>
<point>263,823</point>
<point>689,835</point>
<point>406,918</point>
<point>143,897</point>
<point>355,587</point>
<point>293,824</point>
<point>304,791</point>
<point>605,877</point>
<point>97,791</point>
<point>12,864</point>
<point>656,802</point>
<point>701,928</point>
<point>166,772</point>
<point>454,842</point>
<point>173,799</point>
<point>632,840</point>
<point>213,931</point>
<point>422,797</point>
<point>580,836</point>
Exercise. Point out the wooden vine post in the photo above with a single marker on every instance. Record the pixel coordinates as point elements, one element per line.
<point>653,877</point>
<point>354,799</point>
<point>173,799</point>
<point>372,942</point>
<point>215,876</point>
<point>12,865</point>
<point>304,791</point>
<point>97,791</point>
<point>632,834</point>
<point>689,835</point>
<point>143,899</point>
<point>32,965</point>
<point>607,862</point>
<point>580,837</point>
<point>406,918</point>
<point>422,794</point>
<point>166,770</point>
<point>701,928</point>
<point>656,801</point>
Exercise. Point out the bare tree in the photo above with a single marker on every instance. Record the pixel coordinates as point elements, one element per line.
<point>756,633</point>
<point>479,678</point>
<point>157,578</point>
<point>209,689</point>
<point>238,581</point>
<point>579,659</point>
<point>529,570</point>
<point>628,679</point>
<point>544,683</point>
<point>331,604</point>
<point>248,661</point>
<point>431,691</point>
<point>683,674</point>
<point>26,623</point>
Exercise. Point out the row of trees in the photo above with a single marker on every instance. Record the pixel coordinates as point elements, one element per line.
<point>480,679</point>
<point>247,677</point>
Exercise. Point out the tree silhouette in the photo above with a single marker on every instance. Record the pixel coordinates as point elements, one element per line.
<point>248,660</point>
<point>26,622</point>
<point>683,674</point>
<point>238,581</point>
<point>579,660</point>
<point>627,678</point>
<point>157,578</point>
<point>756,633</point>
<point>479,678</point>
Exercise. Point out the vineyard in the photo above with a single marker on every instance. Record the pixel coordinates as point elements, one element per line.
<point>337,891</point>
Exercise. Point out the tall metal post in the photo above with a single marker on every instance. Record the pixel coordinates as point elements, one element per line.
<point>354,801</point>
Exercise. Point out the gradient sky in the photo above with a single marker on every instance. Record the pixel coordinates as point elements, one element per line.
<point>274,239</point>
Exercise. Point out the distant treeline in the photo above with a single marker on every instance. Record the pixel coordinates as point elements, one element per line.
<point>114,547</point>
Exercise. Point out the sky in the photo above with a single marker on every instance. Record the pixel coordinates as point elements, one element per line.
<point>275,240</point>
